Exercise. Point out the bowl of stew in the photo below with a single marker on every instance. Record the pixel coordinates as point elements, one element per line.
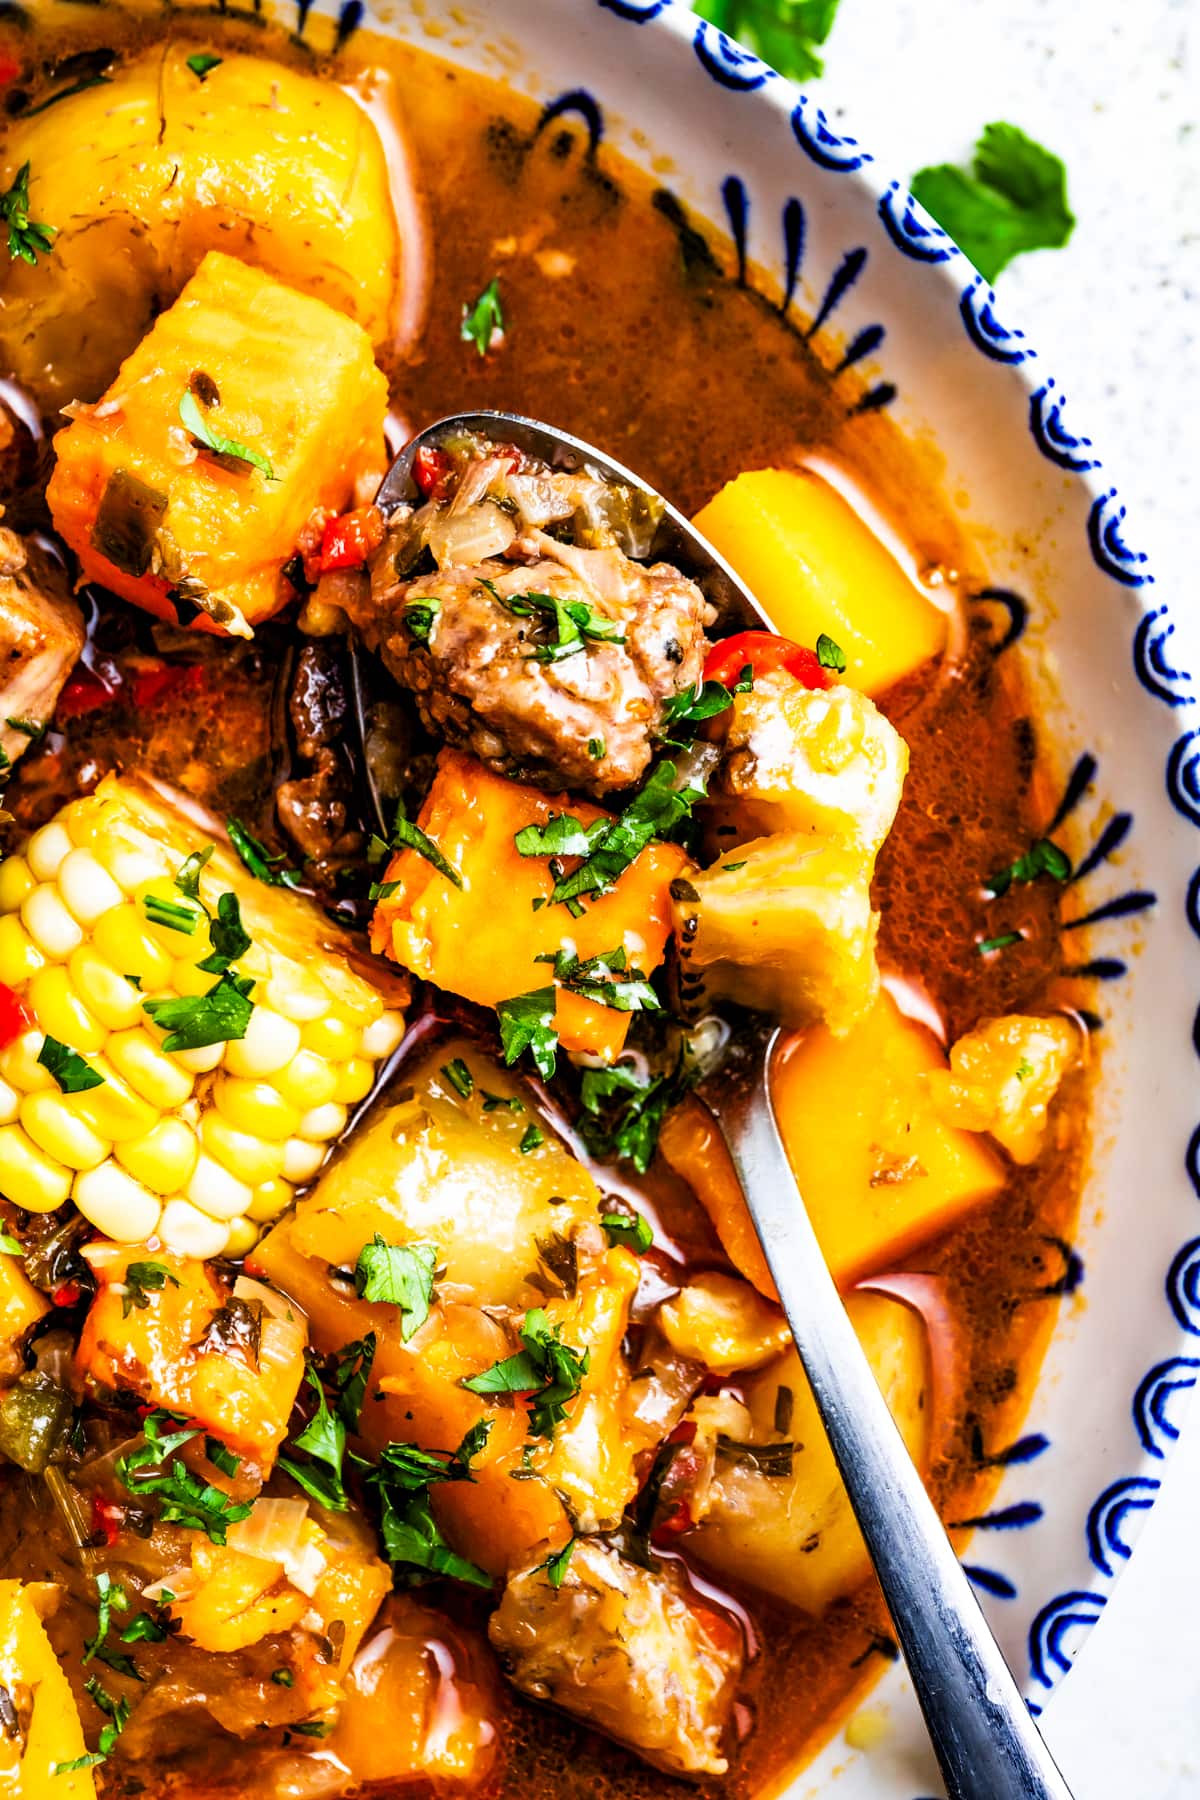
<point>394,1397</point>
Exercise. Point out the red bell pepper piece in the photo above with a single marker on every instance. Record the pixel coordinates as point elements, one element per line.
<point>13,1017</point>
<point>349,540</point>
<point>432,471</point>
<point>764,651</point>
<point>67,1293</point>
<point>107,1518</point>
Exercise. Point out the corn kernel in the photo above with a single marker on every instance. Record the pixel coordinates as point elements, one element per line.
<point>58,1129</point>
<point>243,1235</point>
<point>268,1200</point>
<point>87,887</point>
<point>79,818</point>
<point>49,924</point>
<point>16,881</point>
<point>27,1177</point>
<point>152,1074</point>
<point>164,1158</point>
<point>105,993</point>
<point>20,1064</point>
<point>354,1080</point>
<point>254,1159</point>
<point>270,1043</point>
<point>382,1037</point>
<point>122,940</point>
<point>253,1106</point>
<point>20,958</point>
<point>307,1081</point>
<point>10,1102</point>
<point>61,1013</point>
<point>116,1204</point>
<point>297,995</point>
<point>360,1004</point>
<point>129,857</point>
<point>201,1061</point>
<point>189,1232</point>
<point>113,1109</point>
<point>301,1160</point>
<point>215,1191</point>
<point>333,1037</point>
<point>46,850</point>
<point>323,1123</point>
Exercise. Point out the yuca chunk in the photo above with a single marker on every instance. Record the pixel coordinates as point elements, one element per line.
<point>197,535</point>
<point>41,636</point>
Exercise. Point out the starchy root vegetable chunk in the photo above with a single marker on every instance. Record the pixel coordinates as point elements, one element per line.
<point>783,924</point>
<point>824,761</point>
<point>192,1123</point>
<point>631,1651</point>
<point>186,489</point>
<point>164,1327</point>
<point>794,1534</point>
<point>1003,1077</point>
<point>879,1170</point>
<point>50,1732</point>
<point>21,1305</point>
<point>815,566</point>
<point>144,173</point>
<point>483,939</point>
<point>724,1323</point>
<point>41,636</point>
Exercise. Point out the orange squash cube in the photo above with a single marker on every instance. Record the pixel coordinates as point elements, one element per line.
<point>202,535</point>
<point>483,940</point>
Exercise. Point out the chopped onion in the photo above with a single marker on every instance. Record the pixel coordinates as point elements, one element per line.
<point>279,1531</point>
<point>470,537</point>
<point>179,1582</point>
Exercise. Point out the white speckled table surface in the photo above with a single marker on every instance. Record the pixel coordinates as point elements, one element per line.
<point>1114,87</point>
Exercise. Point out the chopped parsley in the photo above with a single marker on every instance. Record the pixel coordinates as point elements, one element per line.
<point>545,1368</point>
<point>532,1138</point>
<point>227,452</point>
<point>323,1441</point>
<point>30,728</point>
<point>258,859</point>
<point>1042,858</point>
<point>412,1540</point>
<point>633,1233</point>
<point>187,875</point>
<point>496,1102</point>
<point>574,623</point>
<point>110,1597</point>
<point>624,1110</point>
<point>398,1275</point>
<point>527,1023</point>
<point>459,1077</point>
<point>283,1678</point>
<point>419,616</point>
<point>1024,1069</point>
<point>9,1245</point>
<point>603,980</point>
<point>221,1456</point>
<point>144,1629</point>
<point>613,844</point>
<point>785,33</point>
<point>72,1073</point>
<point>27,240</point>
<point>202,64</point>
<point>351,1373</point>
<point>561,835</point>
<point>1013,198</point>
<point>407,836</point>
<point>171,914</point>
<point>483,322</point>
<point>186,1499</point>
<point>227,935</point>
<point>985,946</point>
<point>684,712</point>
<point>831,655</point>
<point>773,1460</point>
<point>556,1565</point>
<point>596,749</point>
<point>218,1016</point>
<point>142,1279</point>
<point>115,1711</point>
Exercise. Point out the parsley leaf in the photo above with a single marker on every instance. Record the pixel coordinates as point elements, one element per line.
<point>574,623</point>
<point>532,1138</point>
<point>596,749</point>
<point>72,1073</point>
<point>784,33</point>
<point>187,875</point>
<point>625,1109</point>
<point>9,1245</point>
<point>223,448</point>
<point>1012,199</point>
<point>116,1711</point>
<point>1024,1069</point>
<point>218,1016</point>
<point>258,858</point>
<point>351,1373</point>
<point>527,1023</point>
<point>1043,858</point>
<point>600,979</point>
<point>550,1371</point>
<point>561,835</point>
<point>483,323</point>
<point>201,64</point>
<point>27,240</point>
<point>407,836</point>
<point>110,1597</point>
<point>985,946</point>
<point>140,1281</point>
<point>419,616</point>
<point>634,1233</point>
<point>186,1498</point>
<point>324,1440</point>
<point>170,913</point>
<point>653,813</point>
<point>831,655</point>
<point>459,1077</point>
<point>227,935</point>
<point>412,1540</point>
<point>145,1629</point>
<point>704,701</point>
<point>398,1275</point>
<point>556,1564</point>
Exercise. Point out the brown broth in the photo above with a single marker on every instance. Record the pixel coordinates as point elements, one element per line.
<point>648,346</point>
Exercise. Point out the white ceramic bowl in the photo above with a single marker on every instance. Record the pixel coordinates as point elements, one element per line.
<point>845,245</point>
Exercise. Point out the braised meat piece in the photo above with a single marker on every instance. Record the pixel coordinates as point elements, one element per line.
<point>630,1650</point>
<point>41,636</point>
<point>549,654</point>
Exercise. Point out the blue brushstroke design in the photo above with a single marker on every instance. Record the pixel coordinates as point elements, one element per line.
<point>728,61</point>
<point>977,308</point>
<point>1049,1655</point>
<point>840,283</point>
<point>1108,1514</point>
<point>911,228</point>
<point>793,248</point>
<point>990,1581</point>
<point>1024,1450</point>
<point>350,17</point>
<point>1016,608</point>
<point>581,103</point>
<point>1078,783</point>
<point>868,339</point>
<point>1183,776</point>
<point>1183,1287</point>
<point>812,131</point>
<point>1006,1518</point>
<point>1192,1160</point>
<point>1192,903</point>
<point>1123,907</point>
<point>1051,435</point>
<point>638,12</point>
<point>882,394</point>
<point>1150,663</point>
<point>1151,1402</point>
<point>737,211</point>
<point>1106,845</point>
<point>1100,968</point>
<point>1110,552</point>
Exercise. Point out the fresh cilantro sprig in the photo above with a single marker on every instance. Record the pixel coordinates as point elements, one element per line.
<point>527,1023</point>
<point>654,812</point>
<point>185,1498</point>
<point>141,1279</point>
<point>483,321</point>
<point>398,1275</point>
<point>27,240</point>
<point>72,1073</point>
<point>228,452</point>
<point>624,1109</point>
<point>218,1016</point>
<point>323,1442</point>
<point>1013,198</point>
<point>573,623</point>
<point>603,979</point>
<point>258,859</point>
<point>412,1540</point>
<point>545,1368</point>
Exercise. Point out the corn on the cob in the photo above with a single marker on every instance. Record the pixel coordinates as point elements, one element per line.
<point>201,1146</point>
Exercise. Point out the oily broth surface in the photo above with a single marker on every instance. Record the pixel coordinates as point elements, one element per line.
<point>624,327</point>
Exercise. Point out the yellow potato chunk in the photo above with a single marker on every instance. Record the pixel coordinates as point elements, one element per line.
<point>193,535</point>
<point>815,566</point>
<point>1003,1077</point>
<point>787,928</point>
<point>879,1169</point>
<point>821,760</point>
<point>795,1536</point>
<point>41,1694</point>
<point>723,1323</point>
<point>145,174</point>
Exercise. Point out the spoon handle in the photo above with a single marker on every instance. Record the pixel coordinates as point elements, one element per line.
<point>986,1743</point>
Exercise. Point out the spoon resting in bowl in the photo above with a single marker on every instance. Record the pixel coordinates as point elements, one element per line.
<point>986,1742</point>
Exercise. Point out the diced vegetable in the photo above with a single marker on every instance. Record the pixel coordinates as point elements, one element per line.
<point>146,171</point>
<point>484,940</point>
<point>879,1171</point>
<point>21,1305</point>
<point>32,1758</point>
<point>1003,1077</point>
<point>186,490</point>
<point>816,567</point>
<point>799,760</point>
<point>787,928</point>
<point>116,921</point>
<point>723,1323</point>
<point>795,1535</point>
<point>763,653</point>
<point>238,1599</point>
<point>163,1327</point>
<point>35,1416</point>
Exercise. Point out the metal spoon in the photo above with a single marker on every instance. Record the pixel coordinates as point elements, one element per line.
<point>986,1742</point>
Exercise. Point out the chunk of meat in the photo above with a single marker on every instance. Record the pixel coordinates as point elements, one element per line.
<point>632,1651</point>
<point>41,636</point>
